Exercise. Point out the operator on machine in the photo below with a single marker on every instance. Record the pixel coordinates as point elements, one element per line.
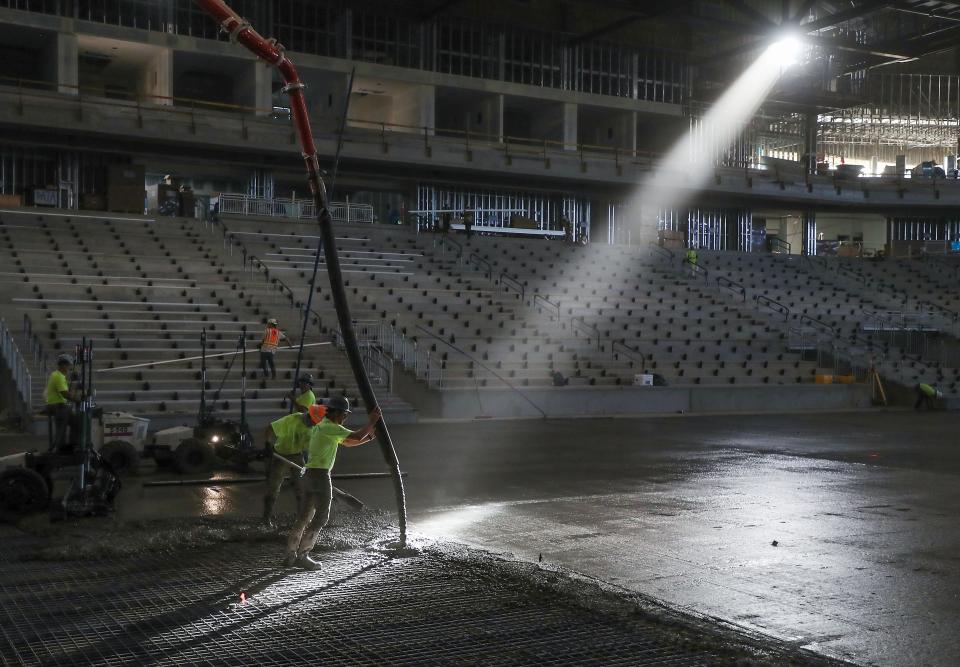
<point>58,396</point>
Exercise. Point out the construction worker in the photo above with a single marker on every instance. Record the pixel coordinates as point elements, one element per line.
<point>289,436</point>
<point>58,397</point>
<point>325,438</point>
<point>925,396</point>
<point>691,259</point>
<point>272,336</point>
<point>303,396</point>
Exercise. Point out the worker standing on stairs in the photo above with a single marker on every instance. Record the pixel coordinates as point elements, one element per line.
<point>303,396</point>
<point>325,438</point>
<point>925,396</point>
<point>289,436</point>
<point>57,397</point>
<point>691,259</point>
<point>268,347</point>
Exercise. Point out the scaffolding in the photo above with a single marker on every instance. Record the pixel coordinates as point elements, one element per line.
<point>496,208</point>
<point>915,115</point>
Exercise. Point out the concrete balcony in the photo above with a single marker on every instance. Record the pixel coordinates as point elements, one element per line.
<point>197,128</point>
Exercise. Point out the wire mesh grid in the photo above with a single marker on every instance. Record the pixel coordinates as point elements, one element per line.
<point>363,609</point>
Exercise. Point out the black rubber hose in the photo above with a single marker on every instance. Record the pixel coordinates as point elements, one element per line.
<point>328,241</point>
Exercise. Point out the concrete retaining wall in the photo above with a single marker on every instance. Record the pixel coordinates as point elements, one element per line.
<point>470,403</point>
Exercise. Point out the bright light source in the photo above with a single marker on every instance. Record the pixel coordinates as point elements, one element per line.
<point>786,50</point>
<point>215,438</point>
<point>688,164</point>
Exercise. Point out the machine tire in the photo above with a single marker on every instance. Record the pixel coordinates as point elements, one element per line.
<point>194,456</point>
<point>23,491</point>
<point>121,456</point>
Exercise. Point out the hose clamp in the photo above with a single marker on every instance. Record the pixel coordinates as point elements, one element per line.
<point>238,27</point>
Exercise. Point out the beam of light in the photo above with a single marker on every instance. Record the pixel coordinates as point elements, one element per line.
<point>455,523</point>
<point>688,164</point>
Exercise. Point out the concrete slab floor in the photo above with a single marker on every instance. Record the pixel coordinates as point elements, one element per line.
<point>861,506</point>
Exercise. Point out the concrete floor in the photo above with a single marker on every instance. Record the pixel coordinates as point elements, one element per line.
<point>862,508</point>
<point>866,565</point>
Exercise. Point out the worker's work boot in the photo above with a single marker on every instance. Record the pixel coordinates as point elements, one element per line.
<point>290,559</point>
<point>308,563</point>
<point>267,519</point>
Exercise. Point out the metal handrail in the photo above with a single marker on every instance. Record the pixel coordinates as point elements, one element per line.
<point>814,322</point>
<point>630,352</point>
<point>780,244</point>
<point>487,368</point>
<point>474,258</point>
<point>297,209</point>
<point>513,283</point>
<point>733,286</point>
<point>17,366</point>
<point>664,252</point>
<point>380,371</point>
<point>547,303</point>
<point>776,306</point>
<point>699,270</point>
<point>443,239</point>
<point>579,323</point>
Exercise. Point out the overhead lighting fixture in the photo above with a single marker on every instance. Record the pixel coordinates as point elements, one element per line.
<point>786,50</point>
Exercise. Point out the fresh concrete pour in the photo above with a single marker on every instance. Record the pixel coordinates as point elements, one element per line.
<point>833,532</point>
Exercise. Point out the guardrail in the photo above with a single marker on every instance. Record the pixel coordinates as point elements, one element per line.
<point>775,306</point>
<point>397,346</point>
<point>619,347</point>
<point>443,241</point>
<point>732,286</point>
<point>34,344</point>
<point>547,304</point>
<point>780,246</point>
<point>294,209</point>
<point>817,324</point>
<point>665,253</point>
<point>509,281</point>
<point>578,324</point>
<point>699,271</point>
<point>475,259</point>
<point>17,366</point>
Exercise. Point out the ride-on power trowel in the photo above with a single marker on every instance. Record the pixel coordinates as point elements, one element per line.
<point>196,449</point>
<point>26,479</point>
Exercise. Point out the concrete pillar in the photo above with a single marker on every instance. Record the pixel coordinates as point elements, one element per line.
<point>67,63</point>
<point>809,233</point>
<point>158,79</point>
<point>261,97</point>
<point>810,142</point>
<point>428,108</point>
<point>569,126</point>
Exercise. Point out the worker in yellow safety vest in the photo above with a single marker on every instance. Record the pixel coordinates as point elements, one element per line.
<point>57,397</point>
<point>272,336</point>
<point>289,436</point>
<point>303,396</point>
<point>925,396</point>
<point>691,259</point>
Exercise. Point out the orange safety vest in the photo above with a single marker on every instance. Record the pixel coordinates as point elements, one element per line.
<point>271,338</point>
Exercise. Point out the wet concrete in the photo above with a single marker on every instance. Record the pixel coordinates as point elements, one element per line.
<point>862,508</point>
<point>686,510</point>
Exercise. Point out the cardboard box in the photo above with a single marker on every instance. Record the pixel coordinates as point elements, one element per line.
<point>125,199</point>
<point>126,175</point>
<point>520,222</point>
<point>93,202</point>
